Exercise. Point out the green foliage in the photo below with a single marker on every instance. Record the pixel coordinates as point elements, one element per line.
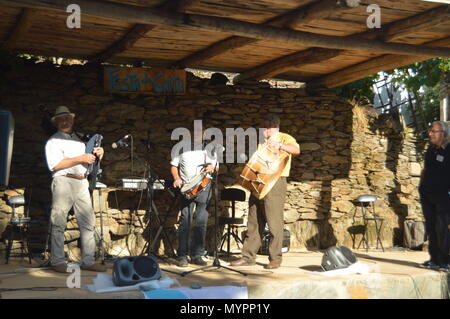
<point>415,76</point>
<point>360,90</point>
<point>421,79</point>
<point>430,103</point>
<point>444,65</point>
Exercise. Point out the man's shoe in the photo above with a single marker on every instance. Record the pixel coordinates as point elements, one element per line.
<point>273,264</point>
<point>429,265</point>
<point>242,262</point>
<point>182,262</point>
<point>94,267</point>
<point>198,261</point>
<point>60,268</point>
<point>444,268</point>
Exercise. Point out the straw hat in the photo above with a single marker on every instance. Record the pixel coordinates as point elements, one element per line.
<point>62,110</point>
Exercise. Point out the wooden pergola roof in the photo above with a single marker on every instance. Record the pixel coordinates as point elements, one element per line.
<point>324,42</point>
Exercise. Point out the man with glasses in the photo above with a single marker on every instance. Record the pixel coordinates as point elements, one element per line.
<point>434,192</point>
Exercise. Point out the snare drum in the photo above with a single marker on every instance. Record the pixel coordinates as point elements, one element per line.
<point>196,186</point>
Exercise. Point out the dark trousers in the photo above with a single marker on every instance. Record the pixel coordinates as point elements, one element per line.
<point>195,206</point>
<point>436,210</point>
<point>270,210</point>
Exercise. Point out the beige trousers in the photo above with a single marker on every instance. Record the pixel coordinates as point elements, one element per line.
<point>67,193</point>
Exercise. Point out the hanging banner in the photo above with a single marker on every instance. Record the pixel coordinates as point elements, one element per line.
<point>145,80</point>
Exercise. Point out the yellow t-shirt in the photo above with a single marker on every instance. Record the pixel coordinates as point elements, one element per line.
<point>284,138</point>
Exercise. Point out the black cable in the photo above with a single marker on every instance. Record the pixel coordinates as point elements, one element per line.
<point>51,288</point>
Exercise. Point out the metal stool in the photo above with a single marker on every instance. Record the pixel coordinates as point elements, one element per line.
<point>233,195</point>
<point>369,201</point>
<point>18,225</point>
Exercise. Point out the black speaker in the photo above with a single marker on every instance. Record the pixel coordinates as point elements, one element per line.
<point>337,257</point>
<point>129,271</point>
<point>6,145</point>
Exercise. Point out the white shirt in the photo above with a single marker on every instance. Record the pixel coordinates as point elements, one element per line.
<point>190,163</point>
<point>61,146</point>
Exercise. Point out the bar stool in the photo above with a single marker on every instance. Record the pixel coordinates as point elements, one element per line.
<point>368,200</point>
<point>18,226</point>
<point>233,195</point>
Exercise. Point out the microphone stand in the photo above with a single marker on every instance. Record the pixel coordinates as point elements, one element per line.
<point>216,262</point>
<point>151,208</point>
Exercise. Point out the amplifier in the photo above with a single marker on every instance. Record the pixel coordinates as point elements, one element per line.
<point>134,183</point>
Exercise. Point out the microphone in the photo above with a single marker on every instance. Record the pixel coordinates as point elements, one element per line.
<point>243,157</point>
<point>122,142</point>
<point>215,148</point>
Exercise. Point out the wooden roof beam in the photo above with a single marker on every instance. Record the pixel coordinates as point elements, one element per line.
<point>281,65</point>
<point>393,31</point>
<point>372,66</point>
<point>178,5</point>
<point>127,42</point>
<point>417,23</point>
<point>133,14</point>
<point>22,26</point>
<point>310,12</point>
<point>139,31</point>
<point>300,16</point>
<point>213,50</point>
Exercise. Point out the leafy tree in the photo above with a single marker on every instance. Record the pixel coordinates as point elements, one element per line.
<point>421,78</point>
<point>359,90</point>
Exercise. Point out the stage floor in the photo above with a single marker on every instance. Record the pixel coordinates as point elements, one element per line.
<point>394,274</point>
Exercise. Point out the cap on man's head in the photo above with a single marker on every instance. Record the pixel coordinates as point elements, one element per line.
<point>272,119</point>
<point>62,110</point>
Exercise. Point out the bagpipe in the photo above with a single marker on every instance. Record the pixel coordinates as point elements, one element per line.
<point>94,168</point>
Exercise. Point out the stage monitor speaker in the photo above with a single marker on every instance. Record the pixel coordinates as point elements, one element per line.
<point>6,145</point>
<point>129,271</point>
<point>337,257</point>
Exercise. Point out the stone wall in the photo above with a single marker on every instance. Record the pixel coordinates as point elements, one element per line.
<point>346,151</point>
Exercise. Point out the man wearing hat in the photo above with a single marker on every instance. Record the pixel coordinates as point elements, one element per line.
<point>67,160</point>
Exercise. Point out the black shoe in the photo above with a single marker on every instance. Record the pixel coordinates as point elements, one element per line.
<point>182,262</point>
<point>429,265</point>
<point>198,261</point>
<point>444,268</point>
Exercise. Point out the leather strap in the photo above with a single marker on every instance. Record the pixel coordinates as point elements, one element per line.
<point>75,176</point>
